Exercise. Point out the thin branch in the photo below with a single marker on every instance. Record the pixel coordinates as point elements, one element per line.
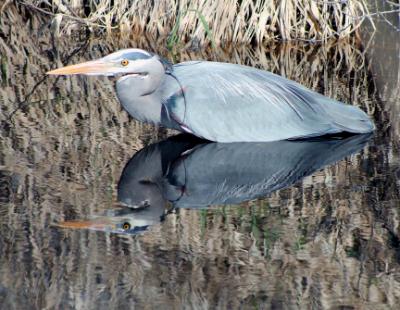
<point>373,14</point>
<point>77,19</point>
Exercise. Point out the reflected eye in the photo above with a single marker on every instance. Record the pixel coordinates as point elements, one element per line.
<point>124,62</point>
<point>126,226</point>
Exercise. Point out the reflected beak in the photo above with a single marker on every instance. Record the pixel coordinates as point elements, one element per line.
<point>94,225</point>
<point>90,67</point>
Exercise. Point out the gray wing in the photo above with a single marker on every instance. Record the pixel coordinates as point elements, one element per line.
<point>232,103</point>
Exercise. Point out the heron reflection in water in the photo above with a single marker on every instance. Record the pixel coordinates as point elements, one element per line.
<point>185,173</point>
<point>221,102</point>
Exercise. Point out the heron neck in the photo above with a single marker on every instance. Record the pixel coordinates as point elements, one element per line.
<point>143,105</point>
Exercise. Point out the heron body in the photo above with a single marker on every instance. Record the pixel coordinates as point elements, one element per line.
<point>222,102</point>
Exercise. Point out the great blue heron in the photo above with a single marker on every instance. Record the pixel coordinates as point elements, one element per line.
<point>183,173</point>
<point>221,102</point>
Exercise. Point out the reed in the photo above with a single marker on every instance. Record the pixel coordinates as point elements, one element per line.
<point>230,21</point>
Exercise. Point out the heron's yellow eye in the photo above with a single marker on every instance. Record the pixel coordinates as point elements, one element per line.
<point>124,62</point>
<point>126,226</point>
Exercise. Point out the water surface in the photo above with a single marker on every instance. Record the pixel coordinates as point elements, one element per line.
<point>308,226</point>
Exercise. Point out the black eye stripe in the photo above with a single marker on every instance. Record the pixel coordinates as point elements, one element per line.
<point>135,56</point>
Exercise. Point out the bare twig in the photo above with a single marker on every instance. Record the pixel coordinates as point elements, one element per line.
<point>77,19</point>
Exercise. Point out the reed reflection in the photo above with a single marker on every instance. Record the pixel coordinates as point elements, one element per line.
<point>182,172</point>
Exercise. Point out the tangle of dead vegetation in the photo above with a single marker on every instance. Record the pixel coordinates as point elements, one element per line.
<point>228,22</point>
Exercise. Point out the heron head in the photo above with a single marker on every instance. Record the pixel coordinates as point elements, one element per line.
<point>133,62</point>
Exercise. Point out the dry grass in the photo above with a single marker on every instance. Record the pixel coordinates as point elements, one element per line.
<point>230,21</point>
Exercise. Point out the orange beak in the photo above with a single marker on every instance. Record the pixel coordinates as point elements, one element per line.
<point>90,67</point>
<point>95,225</point>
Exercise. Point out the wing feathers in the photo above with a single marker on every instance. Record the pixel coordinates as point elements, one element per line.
<point>232,103</point>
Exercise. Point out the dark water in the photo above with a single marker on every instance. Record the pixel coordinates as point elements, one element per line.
<point>288,225</point>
